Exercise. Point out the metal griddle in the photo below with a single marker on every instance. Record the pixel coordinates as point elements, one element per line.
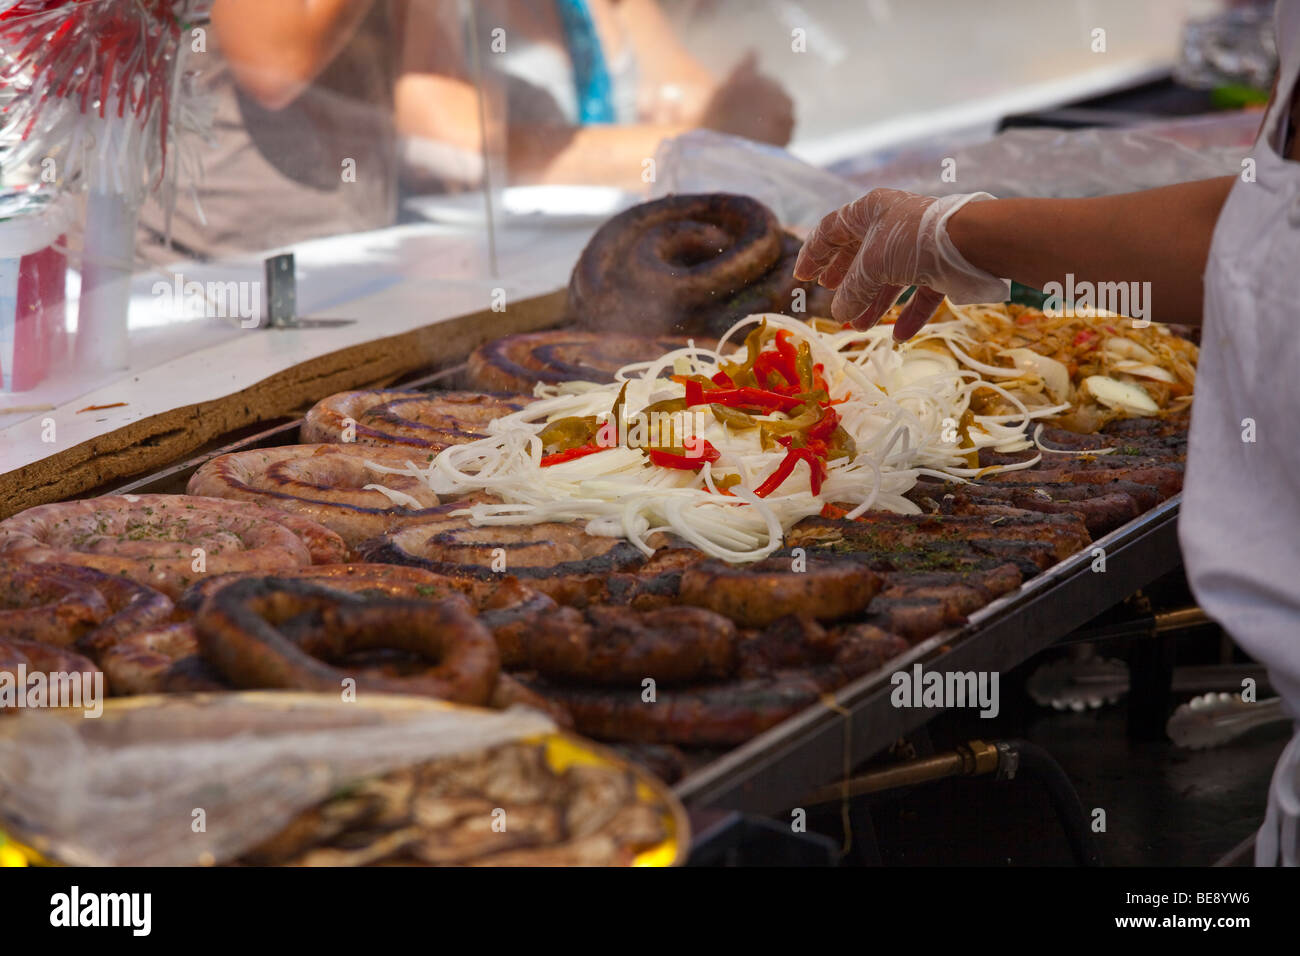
<point>776,769</point>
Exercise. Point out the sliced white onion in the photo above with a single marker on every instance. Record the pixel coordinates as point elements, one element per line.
<point>1054,375</point>
<point>1119,347</point>
<point>1125,396</point>
<point>399,499</point>
<point>1129,367</point>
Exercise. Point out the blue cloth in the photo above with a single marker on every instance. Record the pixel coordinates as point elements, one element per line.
<point>590,73</point>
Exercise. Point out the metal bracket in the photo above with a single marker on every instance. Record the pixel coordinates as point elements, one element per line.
<point>282,298</point>
<point>1008,761</point>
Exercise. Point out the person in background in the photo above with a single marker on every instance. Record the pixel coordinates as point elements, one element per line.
<point>303,142</point>
<point>1223,250</point>
<point>591,87</point>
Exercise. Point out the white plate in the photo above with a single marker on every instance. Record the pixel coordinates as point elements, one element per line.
<point>569,204</point>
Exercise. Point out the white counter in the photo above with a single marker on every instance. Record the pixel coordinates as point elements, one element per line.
<point>390,281</point>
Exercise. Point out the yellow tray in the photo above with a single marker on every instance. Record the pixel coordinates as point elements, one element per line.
<point>562,750</point>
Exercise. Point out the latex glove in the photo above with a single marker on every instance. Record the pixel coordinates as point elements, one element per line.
<point>872,249</point>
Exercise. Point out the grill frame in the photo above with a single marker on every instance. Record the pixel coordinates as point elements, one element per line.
<point>773,771</point>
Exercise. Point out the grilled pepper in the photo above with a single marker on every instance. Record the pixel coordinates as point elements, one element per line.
<point>565,433</point>
<point>571,454</point>
<point>682,460</point>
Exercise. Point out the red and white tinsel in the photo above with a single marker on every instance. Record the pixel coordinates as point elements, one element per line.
<point>97,87</point>
<point>81,68</point>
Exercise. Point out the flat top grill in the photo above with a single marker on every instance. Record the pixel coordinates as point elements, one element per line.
<point>774,770</point>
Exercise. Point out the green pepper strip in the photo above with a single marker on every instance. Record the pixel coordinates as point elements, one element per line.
<point>743,374</point>
<point>616,411</point>
<point>732,417</point>
<point>841,444</point>
<point>803,364</point>
<point>570,432</point>
<point>667,405</point>
<point>806,419</point>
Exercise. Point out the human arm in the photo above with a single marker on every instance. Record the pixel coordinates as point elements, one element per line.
<point>436,101</point>
<point>277,47</point>
<point>874,247</point>
<point>1161,236</point>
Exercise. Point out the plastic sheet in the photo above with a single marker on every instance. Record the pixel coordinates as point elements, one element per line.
<point>124,790</point>
<point>704,161</point>
<point>1076,163</point>
<point>1021,162</point>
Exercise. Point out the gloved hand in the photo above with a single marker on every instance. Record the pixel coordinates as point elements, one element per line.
<point>872,249</point>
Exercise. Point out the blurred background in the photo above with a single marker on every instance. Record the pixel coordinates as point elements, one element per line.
<point>399,141</point>
<point>881,72</point>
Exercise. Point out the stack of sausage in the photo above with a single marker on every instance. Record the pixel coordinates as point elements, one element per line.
<point>287,567</point>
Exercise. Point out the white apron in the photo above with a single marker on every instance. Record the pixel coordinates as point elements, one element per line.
<point>1240,527</point>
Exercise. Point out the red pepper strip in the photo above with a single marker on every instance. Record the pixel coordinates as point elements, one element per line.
<point>765,367</point>
<point>783,361</point>
<point>818,468</point>
<point>582,451</point>
<point>825,426</point>
<point>723,380</point>
<point>775,479</point>
<point>1086,335</point>
<point>789,365</point>
<point>743,396</point>
<point>833,511</point>
<point>814,446</point>
<point>666,459</point>
<point>769,365</point>
<point>783,470</point>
